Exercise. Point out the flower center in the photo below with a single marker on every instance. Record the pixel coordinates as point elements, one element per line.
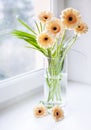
<point>39,111</point>
<point>46,38</point>
<point>70,18</point>
<point>57,113</point>
<point>79,26</point>
<point>54,28</point>
<point>45,17</point>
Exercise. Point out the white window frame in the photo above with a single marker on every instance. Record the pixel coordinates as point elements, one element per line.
<point>57,6</point>
<point>20,84</point>
<point>24,83</point>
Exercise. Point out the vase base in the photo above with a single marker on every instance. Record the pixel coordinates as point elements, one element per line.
<point>51,104</point>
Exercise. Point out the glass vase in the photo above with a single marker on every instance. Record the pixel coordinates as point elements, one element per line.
<point>55,81</point>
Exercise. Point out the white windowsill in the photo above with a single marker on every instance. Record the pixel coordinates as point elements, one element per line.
<point>78,112</point>
<point>20,85</point>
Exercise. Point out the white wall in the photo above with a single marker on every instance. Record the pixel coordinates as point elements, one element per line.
<point>41,5</point>
<point>79,65</point>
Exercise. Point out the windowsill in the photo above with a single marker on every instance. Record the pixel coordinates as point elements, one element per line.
<point>19,116</point>
<point>20,85</point>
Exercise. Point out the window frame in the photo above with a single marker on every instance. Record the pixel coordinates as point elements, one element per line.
<point>56,6</point>
<point>20,85</point>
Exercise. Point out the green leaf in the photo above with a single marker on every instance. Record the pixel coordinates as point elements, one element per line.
<point>30,47</point>
<point>30,39</point>
<point>21,34</point>
<point>25,25</point>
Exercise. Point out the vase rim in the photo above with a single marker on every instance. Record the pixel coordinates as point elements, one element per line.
<point>45,57</point>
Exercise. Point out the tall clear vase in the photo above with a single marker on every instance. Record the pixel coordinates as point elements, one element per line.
<point>55,81</point>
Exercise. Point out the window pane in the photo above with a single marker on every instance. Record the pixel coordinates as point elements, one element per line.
<point>15,58</point>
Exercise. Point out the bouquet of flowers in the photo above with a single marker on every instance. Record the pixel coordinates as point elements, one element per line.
<point>49,36</point>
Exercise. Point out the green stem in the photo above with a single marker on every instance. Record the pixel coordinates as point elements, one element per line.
<point>37,27</point>
<point>41,26</point>
<point>60,45</point>
<point>68,48</point>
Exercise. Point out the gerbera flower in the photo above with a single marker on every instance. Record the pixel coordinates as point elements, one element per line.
<point>45,40</point>
<point>54,26</point>
<point>57,113</point>
<point>40,111</point>
<point>70,18</point>
<point>81,28</point>
<point>45,16</point>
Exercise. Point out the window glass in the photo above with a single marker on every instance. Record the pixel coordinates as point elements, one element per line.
<point>15,58</point>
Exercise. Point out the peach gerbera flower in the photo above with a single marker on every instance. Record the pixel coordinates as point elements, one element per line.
<point>54,26</point>
<point>81,28</point>
<point>70,18</point>
<point>57,113</point>
<point>40,111</point>
<point>45,40</point>
<point>45,16</point>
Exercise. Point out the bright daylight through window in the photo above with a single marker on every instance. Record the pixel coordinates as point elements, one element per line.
<point>15,58</point>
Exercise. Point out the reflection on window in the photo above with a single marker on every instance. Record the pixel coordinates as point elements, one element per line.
<point>15,58</point>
